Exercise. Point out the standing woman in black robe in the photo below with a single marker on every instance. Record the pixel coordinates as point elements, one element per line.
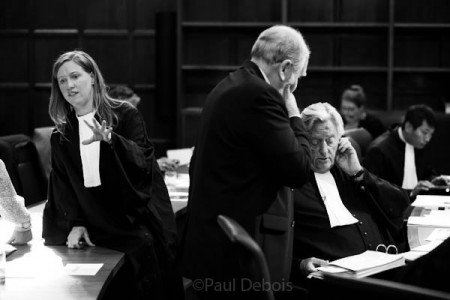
<point>105,187</point>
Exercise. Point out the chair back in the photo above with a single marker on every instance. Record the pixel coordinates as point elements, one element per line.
<point>248,248</point>
<point>24,167</point>
<point>361,136</point>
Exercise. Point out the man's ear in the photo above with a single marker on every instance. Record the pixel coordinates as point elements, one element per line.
<point>285,69</point>
<point>408,127</point>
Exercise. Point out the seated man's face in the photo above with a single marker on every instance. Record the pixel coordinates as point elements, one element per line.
<point>420,136</point>
<point>324,144</point>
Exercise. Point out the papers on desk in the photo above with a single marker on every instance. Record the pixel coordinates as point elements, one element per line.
<point>434,211</point>
<point>177,185</point>
<point>419,251</point>
<point>436,237</point>
<point>82,269</point>
<point>433,219</point>
<point>182,155</point>
<point>432,202</point>
<point>362,265</point>
<point>439,234</point>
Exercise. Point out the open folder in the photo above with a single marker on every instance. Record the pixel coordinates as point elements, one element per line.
<point>362,265</point>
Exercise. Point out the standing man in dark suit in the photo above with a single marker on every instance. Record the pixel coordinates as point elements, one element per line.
<point>251,143</point>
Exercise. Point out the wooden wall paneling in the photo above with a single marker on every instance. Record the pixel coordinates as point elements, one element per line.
<point>49,14</point>
<point>363,49</point>
<point>390,58</point>
<point>414,88</point>
<point>147,109</point>
<point>111,55</point>
<point>364,11</point>
<point>243,47</point>
<point>40,104</point>
<point>315,87</point>
<point>46,49</point>
<point>190,125</point>
<point>145,12</point>
<point>15,14</point>
<point>14,111</point>
<point>14,60</point>
<point>143,68</point>
<point>256,11</point>
<point>205,10</point>
<point>310,10</point>
<point>321,46</point>
<point>165,68</point>
<point>207,49</point>
<point>374,43</point>
<point>119,34</point>
<point>417,51</point>
<point>419,11</point>
<point>198,83</point>
<point>105,14</point>
<point>445,52</point>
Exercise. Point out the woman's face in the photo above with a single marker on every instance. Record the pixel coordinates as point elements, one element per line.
<point>350,112</point>
<point>76,85</point>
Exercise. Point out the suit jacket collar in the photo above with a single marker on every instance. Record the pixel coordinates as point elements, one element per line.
<point>253,69</point>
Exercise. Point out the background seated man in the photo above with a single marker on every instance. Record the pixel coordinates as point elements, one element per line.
<point>353,111</point>
<point>398,156</point>
<point>344,209</point>
<point>123,92</point>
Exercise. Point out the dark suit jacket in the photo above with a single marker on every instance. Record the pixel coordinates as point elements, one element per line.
<point>385,157</point>
<point>247,149</point>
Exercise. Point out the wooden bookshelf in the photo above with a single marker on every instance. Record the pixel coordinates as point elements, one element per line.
<point>397,50</point>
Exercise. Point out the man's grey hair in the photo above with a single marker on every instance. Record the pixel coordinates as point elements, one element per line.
<point>281,42</point>
<point>319,113</point>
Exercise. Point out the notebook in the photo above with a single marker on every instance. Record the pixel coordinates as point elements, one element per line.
<point>362,265</point>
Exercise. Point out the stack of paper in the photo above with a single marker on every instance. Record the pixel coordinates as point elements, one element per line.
<point>432,202</point>
<point>177,185</point>
<point>436,237</point>
<point>364,264</point>
<point>434,218</point>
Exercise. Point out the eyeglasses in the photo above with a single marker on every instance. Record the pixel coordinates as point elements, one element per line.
<point>390,249</point>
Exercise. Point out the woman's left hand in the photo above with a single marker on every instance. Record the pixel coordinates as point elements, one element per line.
<point>78,238</point>
<point>100,132</point>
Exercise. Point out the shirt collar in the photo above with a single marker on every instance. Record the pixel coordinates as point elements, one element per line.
<point>400,134</point>
<point>264,75</point>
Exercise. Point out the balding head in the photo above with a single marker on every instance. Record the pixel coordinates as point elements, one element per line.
<point>279,43</point>
<point>282,55</point>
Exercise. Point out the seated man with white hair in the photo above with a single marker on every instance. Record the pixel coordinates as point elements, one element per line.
<point>345,210</point>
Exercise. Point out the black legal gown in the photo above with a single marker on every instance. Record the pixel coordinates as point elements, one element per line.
<point>130,211</point>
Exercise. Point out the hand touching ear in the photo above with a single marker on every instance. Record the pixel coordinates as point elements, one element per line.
<point>346,157</point>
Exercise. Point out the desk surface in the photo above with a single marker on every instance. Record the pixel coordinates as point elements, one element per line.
<point>36,271</point>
